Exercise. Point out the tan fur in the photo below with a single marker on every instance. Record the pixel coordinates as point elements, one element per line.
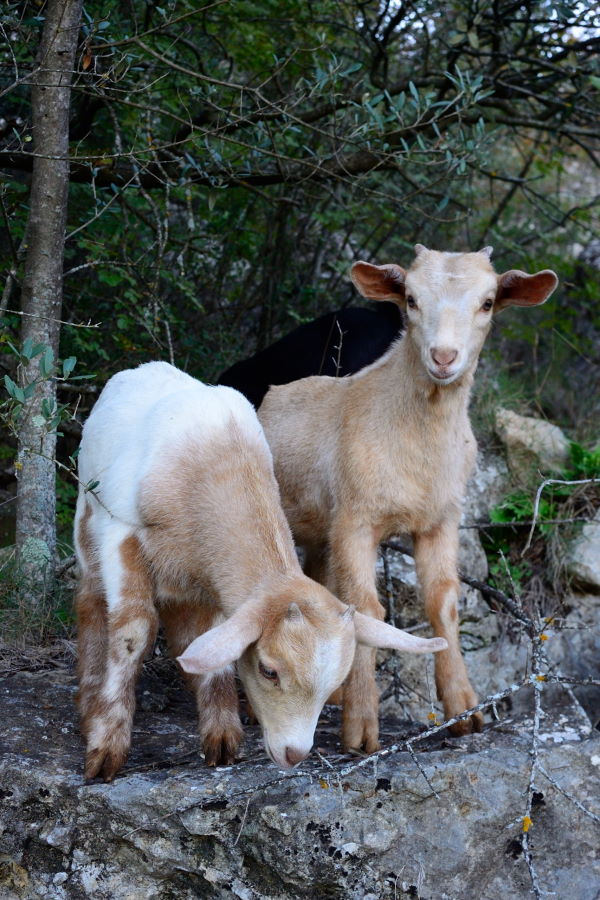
<point>214,522</point>
<point>91,624</point>
<point>128,635</point>
<point>389,451</point>
<point>216,695</point>
<point>215,546</point>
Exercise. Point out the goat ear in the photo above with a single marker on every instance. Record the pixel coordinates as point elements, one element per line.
<point>516,288</point>
<point>379,282</point>
<point>374,633</point>
<point>487,251</point>
<point>220,646</point>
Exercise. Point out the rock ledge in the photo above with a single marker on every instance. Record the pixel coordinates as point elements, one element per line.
<point>171,829</point>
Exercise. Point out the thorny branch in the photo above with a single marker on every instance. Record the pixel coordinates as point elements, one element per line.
<point>489,592</point>
<point>538,496</point>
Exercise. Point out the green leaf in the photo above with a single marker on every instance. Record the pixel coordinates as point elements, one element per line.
<point>10,386</point>
<point>68,366</point>
<point>47,362</point>
<point>112,277</point>
<point>27,348</point>
<point>48,407</point>
<point>473,39</point>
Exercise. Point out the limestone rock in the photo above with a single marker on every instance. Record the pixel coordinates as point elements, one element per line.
<point>582,564</point>
<point>577,650</point>
<point>532,445</point>
<point>169,828</point>
<point>486,487</point>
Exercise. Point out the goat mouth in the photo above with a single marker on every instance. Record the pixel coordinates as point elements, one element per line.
<point>282,763</point>
<point>442,377</point>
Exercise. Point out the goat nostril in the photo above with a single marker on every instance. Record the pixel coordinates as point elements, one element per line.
<point>294,756</point>
<point>442,356</point>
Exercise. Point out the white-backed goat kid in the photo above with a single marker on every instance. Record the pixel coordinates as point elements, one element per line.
<point>389,450</point>
<point>185,522</point>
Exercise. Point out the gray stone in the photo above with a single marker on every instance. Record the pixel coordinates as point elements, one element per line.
<point>582,563</point>
<point>532,445</point>
<point>171,829</point>
<point>486,488</point>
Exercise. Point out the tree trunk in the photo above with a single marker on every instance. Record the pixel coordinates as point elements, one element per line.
<point>42,283</point>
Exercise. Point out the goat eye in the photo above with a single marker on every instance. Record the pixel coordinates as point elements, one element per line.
<point>487,305</point>
<point>411,302</point>
<point>271,674</point>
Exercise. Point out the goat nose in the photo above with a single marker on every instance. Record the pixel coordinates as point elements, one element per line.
<point>295,756</point>
<point>443,356</point>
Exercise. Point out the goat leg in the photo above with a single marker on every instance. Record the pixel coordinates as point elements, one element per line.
<point>109,714</point>
<point>352,572</point>
<point>216,693</point>
<point>131,624</point>
<point>436,562</point>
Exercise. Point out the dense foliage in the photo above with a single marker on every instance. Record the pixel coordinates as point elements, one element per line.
<point>229,161</point>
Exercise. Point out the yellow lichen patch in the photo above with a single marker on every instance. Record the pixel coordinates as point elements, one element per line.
<point>527,823</point>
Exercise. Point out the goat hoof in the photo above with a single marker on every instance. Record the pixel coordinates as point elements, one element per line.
<point>104,763</point>
<point>361,734</point>
<point>468,726</point>
<point>221,749</point>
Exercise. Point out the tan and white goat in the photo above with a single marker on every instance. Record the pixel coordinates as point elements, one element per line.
<point>389,451</point>
<point>185,522</point>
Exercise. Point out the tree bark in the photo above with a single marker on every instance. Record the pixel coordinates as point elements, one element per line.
<point>42,282</point>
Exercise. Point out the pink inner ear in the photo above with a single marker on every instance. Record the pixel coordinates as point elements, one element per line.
<point>379,282</point>
<point>516,288</point>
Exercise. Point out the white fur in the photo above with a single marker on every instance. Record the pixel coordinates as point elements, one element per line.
<point>140,413</point>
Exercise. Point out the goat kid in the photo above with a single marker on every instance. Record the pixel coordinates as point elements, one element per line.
<point>389,450</point>
<point>186,522</point>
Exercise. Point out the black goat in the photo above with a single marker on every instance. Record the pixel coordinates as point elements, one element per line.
<point>338,343</point>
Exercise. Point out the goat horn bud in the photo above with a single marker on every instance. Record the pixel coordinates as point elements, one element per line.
<point>487,251</point>
<point>419,248</point>
<point>294,613</point>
